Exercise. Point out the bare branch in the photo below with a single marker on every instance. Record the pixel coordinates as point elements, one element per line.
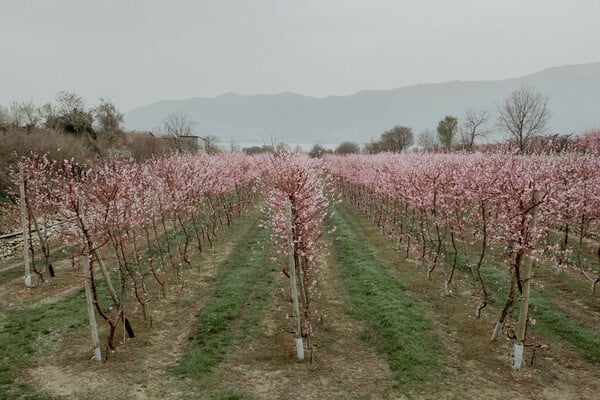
<point>177,124</point>
<point>474,125</point>
<point>524,114</point>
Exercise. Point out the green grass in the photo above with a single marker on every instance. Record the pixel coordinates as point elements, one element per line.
<point>397,323</point>
<point>12,273</point>
<point>30,330</point>
<point>230,396</point>
<point>235,307</point>
<point>553,323</point>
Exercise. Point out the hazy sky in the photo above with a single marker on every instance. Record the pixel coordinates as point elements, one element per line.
<point>138,52</point>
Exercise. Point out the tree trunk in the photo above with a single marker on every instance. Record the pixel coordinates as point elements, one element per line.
<point>42,238</point>
<point>483,302</point>
<point>522,326</point>
<point>507,305</point>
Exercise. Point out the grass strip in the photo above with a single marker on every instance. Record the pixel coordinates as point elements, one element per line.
<point>30,330</point>
<point>234,308</point>
<point>555,324</point>
<point>398,326</point>
<point>397,321</point>
<point>12,273</point>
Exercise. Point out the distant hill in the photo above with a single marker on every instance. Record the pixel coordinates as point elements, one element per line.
<point>573,92</point>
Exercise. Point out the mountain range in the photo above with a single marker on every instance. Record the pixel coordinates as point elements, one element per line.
<point>573,98</point>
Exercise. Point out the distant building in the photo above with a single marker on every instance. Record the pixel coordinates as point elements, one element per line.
<point>191,144</point>
<point>144,144</point>
<point>132,136</point>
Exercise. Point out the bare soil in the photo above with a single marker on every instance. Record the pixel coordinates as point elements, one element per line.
<point>13,292</point>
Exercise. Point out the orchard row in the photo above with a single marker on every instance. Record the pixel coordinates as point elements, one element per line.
<point>443,209</point>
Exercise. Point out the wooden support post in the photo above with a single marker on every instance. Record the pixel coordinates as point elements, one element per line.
<point>25,228</point>
<point>293,284</point>
<point>111,290</point>
<point>525,284</point>
<point>90,307</point>
<point>89,297</point>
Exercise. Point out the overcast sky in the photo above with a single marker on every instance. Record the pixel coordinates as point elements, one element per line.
<point>138,52</point>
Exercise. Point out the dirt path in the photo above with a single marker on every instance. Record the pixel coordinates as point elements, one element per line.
<point>343,366</point>
<point>16,294</point>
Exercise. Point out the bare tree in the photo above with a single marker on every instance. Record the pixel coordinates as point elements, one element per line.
<point>428,140</point>
<point>21,115</point>
<point>49,112</point>
<point>16,117</point>
<point>524,114</point>
<point>68,101</point>
<point>474,126</point>
<point>31,115</point>
<point>234,146</point>
<point>210,144</point>
<point>177,125</point>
